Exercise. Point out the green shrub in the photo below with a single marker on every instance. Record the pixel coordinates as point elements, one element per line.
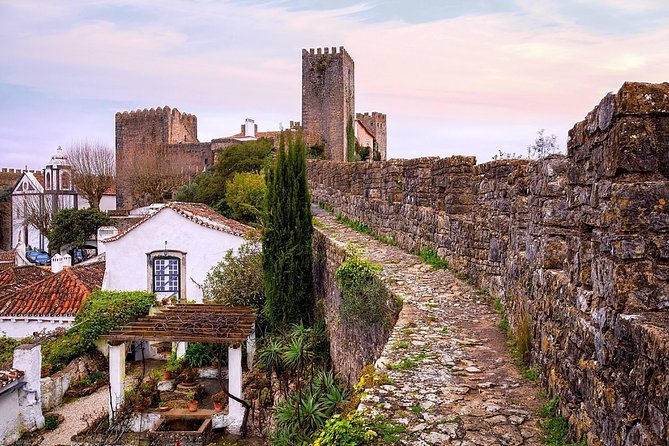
<point>348,431</point>
<point>197,355</point>
<point>100,313</point>
<point>51,422</point>
<point>7,346</point>
<point>364,297</point>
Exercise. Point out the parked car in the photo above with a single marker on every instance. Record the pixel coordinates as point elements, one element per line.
<point>43,259</point>
<point>32,254</point>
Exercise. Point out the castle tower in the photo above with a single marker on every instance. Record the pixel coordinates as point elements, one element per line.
<point>375,123</point>
<point>328,99</point>
<point>147,130</point>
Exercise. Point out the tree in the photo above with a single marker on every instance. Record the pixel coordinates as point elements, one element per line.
<point>154,173</point>
<point>38,210</point>
<point>350,140</point>
<point>543,146</point>
<point>245,196</point>
<point>74,226</point>
<point>93,168</point>
<point>287,238</point>
<point>237,280</point>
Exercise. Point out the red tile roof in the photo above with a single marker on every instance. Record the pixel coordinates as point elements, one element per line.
<point>9,376</point>
<point>60,294</point>
<point>22,275</point>
<point>8,257</point>
<point>199,213</point>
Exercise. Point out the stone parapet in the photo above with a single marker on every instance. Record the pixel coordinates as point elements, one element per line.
<point>578,243</point>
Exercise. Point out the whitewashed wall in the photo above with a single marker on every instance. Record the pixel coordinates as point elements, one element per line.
<point>10,422</point>
<point>21,327</point>
<point>128,268</point>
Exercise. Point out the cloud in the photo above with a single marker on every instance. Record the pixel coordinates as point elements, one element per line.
<point>468,83</point>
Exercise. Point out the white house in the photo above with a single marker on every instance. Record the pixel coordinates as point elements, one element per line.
<point>48,192</point>
<point>20,395</point>
<point>171,250</point>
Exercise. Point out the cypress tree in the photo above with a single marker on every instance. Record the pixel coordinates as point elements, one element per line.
<point>287,238</point>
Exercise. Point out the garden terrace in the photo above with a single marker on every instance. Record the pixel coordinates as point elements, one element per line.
<point>190,323</point>
<point>185,323</point>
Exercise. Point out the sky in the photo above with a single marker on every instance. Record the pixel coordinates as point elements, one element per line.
<point>454,77</point>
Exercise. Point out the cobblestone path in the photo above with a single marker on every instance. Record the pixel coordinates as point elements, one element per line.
<point>453,382</point>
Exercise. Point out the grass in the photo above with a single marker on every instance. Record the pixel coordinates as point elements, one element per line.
<point>554,427</point>
<point>444,330</point>
<point>51,422</point>
<point>364,229</point>
<point>416,409</point>
<point>430,256</point>
<point>401,344</point>
<point>388,431</point>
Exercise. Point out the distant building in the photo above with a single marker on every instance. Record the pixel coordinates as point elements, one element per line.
<point>47,192</point>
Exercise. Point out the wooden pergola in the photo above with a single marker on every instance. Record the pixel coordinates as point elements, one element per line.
<point>217,324</point>
<point>183,323</point>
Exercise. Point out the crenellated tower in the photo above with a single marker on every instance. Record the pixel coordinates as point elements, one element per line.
<point>162,128</point>
<point>375,124</point>
<point>328,99</point>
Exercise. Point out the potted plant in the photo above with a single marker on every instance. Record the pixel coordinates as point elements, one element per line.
<point>172,367</point>
<point>189,375</point>
<point>219,400</point>
<point>192,402</point>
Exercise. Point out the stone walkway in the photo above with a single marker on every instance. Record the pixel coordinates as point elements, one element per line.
<point>452,381</point>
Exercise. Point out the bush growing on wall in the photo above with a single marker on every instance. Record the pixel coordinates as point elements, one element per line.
<point>100,313</point>
<point>364,297</point>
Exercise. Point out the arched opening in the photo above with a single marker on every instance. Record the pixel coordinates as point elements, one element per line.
<point>65,181</point>
<point>48,180</point>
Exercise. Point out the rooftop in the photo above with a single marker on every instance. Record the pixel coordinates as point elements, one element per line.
<point>198,213</point>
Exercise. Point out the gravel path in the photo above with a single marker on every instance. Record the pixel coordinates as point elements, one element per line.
<point>451,378</point>
<point>89,407</point>
<point>75,413</point>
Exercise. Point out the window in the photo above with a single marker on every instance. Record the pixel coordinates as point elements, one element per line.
<point>166,277</point>
<point>48,180</point>
<point>65,181</point>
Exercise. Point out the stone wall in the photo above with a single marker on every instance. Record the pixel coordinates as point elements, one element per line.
<point>328,98</point>
<point>579,244</point>
<point>163,128</point>
<point>352,346</point>
<point>53,388</point>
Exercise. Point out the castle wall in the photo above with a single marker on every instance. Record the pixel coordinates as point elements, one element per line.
<point>579,244</point>
<point>328,99</point>
<point>142,130</point>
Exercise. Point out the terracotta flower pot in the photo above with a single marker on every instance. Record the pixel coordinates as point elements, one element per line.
<point>218,406</point>
<point>167,375</point>
<point>192,406</point>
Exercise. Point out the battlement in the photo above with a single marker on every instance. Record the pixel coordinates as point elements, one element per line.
<point>372,115</point>
<point>325,50</point>
<point>154,112</point>
<point>13,170</point>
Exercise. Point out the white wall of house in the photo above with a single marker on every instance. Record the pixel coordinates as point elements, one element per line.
<point>20,327</point>
<point>10,425</point>
<point>128,267</point>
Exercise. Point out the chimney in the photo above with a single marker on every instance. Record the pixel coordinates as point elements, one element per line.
<point>56,263</point>
<point>67,260</point>
<point>249,128</point>
<point>104,232</point>
<point>28,359</point>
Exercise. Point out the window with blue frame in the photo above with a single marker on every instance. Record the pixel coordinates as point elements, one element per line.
<point>166,277</point>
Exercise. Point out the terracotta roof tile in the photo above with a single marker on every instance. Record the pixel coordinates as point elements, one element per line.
<point>199,213</point>
<point>7,256</point>
<point>60,294</point>
<point>9,376</point>
<point>22,275</point>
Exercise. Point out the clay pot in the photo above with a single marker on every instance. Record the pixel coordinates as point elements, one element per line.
<point>167,375</point>
<point>218,406</point>
<point>192,406</point>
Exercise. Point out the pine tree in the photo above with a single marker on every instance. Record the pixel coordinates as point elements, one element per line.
<point>287,238</point>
